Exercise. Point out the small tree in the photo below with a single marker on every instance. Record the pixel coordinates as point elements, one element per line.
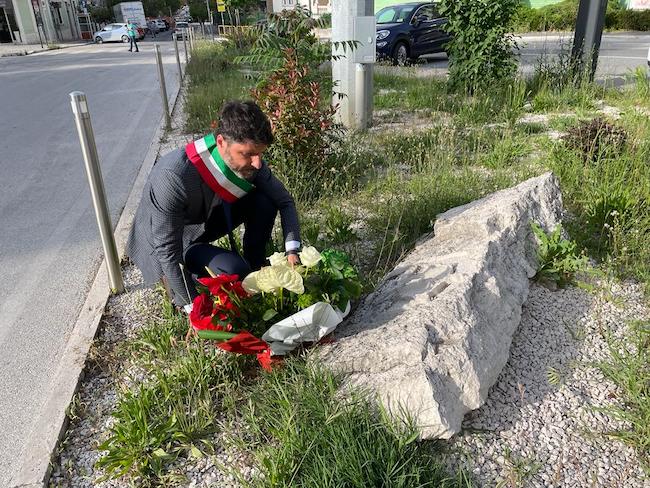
<point>198,11</point>
<point>296,96</point>
<point>101,14</point>
<point>482,49</point>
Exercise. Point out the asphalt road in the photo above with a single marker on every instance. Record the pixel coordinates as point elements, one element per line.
<point>49,241</point>
<point>620,53</point>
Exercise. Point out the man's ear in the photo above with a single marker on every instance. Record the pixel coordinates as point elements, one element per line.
<point>221,141</point>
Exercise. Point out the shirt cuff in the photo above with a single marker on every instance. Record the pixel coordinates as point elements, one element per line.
<point>291,246</point>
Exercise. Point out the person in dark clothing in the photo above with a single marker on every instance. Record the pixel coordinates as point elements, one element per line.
<point>197,194</point>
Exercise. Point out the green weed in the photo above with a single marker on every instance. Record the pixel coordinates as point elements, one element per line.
<point>213,79</point>
<point>558,259</point>
<point>629,370</point>
<point>305,434</point>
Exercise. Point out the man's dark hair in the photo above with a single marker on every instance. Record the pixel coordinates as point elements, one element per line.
<point>244,121</point>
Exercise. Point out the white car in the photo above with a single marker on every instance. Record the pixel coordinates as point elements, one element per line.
<point>113,33</point>
<point>161,25</point>
<point>179,29</point>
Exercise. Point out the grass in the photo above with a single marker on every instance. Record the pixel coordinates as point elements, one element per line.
<point>213,79</point>
<point>300,431</point>
<point>297,426</point>
<point>305,434</point>
<point>172,407</point>
<point>629,370</point>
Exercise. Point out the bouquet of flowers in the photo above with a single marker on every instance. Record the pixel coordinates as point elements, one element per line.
<point>285,305</point>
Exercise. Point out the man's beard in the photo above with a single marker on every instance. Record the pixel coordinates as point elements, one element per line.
<point>248,174</point>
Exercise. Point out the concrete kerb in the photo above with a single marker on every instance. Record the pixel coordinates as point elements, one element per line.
<point>21,51</point>
<point>52,420</point>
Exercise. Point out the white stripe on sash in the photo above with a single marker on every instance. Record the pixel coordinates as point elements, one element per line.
<point>211,164</point>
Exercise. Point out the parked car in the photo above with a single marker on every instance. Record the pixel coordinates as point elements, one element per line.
<point>179,29</point>
<point>409,30</point>
<point>161,24</point>
<point>115,33</point>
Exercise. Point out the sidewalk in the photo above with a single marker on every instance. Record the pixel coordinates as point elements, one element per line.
<point>24,49</point>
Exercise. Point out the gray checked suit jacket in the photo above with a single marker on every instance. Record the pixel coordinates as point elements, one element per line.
<point>175,205</point>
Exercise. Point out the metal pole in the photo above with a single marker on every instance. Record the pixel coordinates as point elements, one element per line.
<point>360,112</point>
<point>163,88</point>
<point>185,46</point>
<point>178,62</point>
<point>91,160</point>
<point>588,33</point>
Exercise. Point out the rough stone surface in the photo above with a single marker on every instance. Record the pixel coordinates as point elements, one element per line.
<point>434,336</point>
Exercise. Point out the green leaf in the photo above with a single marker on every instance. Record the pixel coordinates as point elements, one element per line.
<point>196,453</point>
<point>160,453</point>
<point>269,314</point>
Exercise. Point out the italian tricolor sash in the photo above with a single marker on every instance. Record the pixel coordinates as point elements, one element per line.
<point>215,172</point>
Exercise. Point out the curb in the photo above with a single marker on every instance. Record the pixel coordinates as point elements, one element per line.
<point>53,420</point>
<point>47,50</point>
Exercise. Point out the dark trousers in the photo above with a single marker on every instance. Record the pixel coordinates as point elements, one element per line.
<point>257,212</point>
<point>132,42</point>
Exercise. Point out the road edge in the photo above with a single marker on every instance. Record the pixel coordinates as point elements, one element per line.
<point>53,420</point>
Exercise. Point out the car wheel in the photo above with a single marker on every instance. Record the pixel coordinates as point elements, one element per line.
<point>125,38</point>
<point>99,40</point>
<point>401,54</point>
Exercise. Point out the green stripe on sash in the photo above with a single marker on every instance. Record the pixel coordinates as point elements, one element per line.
<point>211,143</point>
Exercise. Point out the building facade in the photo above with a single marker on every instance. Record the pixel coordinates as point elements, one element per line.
<point>39,21</point>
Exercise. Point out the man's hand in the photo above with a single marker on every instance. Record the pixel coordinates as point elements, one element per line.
<point>293,259</point>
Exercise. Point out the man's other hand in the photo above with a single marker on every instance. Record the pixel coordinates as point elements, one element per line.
<point>293,259</point>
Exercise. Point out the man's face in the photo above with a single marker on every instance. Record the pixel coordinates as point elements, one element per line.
<point>244,158</point>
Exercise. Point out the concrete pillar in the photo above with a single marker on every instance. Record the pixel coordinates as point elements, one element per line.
<point>344,71</point>
<point>26,21</point>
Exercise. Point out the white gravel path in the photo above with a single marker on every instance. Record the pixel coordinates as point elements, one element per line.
<point>533,433</point>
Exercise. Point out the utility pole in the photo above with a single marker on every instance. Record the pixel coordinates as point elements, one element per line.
<point>588,33</point>
<point>352,73</point>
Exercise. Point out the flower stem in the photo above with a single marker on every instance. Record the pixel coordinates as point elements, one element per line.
<point>215,335</point>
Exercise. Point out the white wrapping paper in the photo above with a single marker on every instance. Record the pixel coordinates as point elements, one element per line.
<point>308,325</point>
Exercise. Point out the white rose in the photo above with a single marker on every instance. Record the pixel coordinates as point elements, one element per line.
<point>309,256</point>
<point>278,259</point>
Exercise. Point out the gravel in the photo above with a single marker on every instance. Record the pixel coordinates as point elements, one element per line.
<point>540,425</point>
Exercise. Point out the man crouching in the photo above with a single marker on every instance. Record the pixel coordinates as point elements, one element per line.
<point>197,194</point>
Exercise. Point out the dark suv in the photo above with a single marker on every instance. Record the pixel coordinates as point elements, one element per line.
<point>409,30</point>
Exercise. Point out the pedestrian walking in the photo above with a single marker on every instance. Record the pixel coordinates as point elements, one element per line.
<point>132,31</point>
<point>153,28</point>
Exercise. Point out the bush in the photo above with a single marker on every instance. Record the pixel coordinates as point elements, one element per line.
<point>304,130</point>
<point>296,96</point>
<point>563,15</point>
<point>629,20</point>
<point>482,48</point>
<point>595,138</point>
